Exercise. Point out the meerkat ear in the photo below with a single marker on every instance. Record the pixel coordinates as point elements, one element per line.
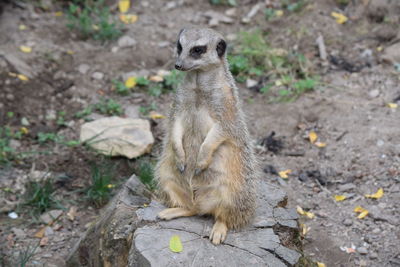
<point>221,48</point>
<point>179,34</point>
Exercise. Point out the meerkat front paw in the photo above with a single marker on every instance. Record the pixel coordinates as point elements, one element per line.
<point>180,166</point>
<point>218,233</point>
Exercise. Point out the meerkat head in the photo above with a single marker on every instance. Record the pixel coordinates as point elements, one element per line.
<point>199,49</point>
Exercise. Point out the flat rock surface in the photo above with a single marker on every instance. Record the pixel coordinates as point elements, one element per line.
<point>256,245</point>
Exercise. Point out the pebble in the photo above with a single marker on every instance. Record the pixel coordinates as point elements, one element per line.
<point>250,83</point>
<point>10,97</point>
<point>25,122</point>
<point>18,232</point>
<point>373,255</point>
<point>347,222</point>
<point>362,250</point>
<point>97,75</point>
<point>48,231</point>
<point>51,114</point>
<point>380,143</point>
<point>126,41</point>
<point>373,93</point>
<point>83,68</point>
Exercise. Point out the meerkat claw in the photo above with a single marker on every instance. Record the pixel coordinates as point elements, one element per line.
<point>181,167</point>
<point>197,171</point>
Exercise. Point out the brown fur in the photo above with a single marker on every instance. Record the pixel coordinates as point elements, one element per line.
<point>207,136</point>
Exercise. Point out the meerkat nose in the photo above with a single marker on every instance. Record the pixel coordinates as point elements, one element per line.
<point>178,67</point>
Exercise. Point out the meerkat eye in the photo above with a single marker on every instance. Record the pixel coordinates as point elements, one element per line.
<point>179,48</point>
<point>197,51</point>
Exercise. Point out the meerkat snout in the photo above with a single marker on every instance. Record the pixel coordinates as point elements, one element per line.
<point>199,50</point>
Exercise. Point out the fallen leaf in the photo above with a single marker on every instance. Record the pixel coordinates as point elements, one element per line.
<point>278,83</point>
<point>379,48</point>
<point>58,14</point>
<point>392,105</point>
<point>348,250</point>
<point>340,18</point>
<point>22,27</point>
<point>40,233</point>
<point>128,18</point>
<point>359,209</point>
<point>71,214</point>
<point>175,244</point>
<point>313,137</point>
<point>95,27</point>
<point>24,130</point>
<point>284,174</point>
<point>130,82</point>
<point>156,78</point>
<point>305,213</point>
<point>339,198</point>
<point>124,5</point>
<point>25,49</point>
<point>12,74</point>
<point>154,115</point>
<point>279,13</point>
<point>363,212</point>
<point>310,215</point>
<point>110,186</point>
<point>43,242</point>
<point>320,144</point>
<point>70,52</point>
<point>377,195</point>
<point>22,77</point>
<point>304,229</point>
<point>320,264</point>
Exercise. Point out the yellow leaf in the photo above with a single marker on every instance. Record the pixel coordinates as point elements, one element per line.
<point>284,174</point>
<point>154,115</point>
<point>392,105</point>
<point>130,82</point>
<point>110,186</point>
<point>25,49</point>
<point>320,264</point>
<point>339,198</point>
<point>359,209</point>
<point>128,18</point>
<point>70,52</point>
<point>320,144</point>
<point>22,27</point>
<point>58,14</point>
<point>278,83</point>
<point>95,27</point>
<point>377,195</point>
<point>124,5</point>
<point>24,130</point>
<point>340,18</point>
<point>156,78</point>
<point>310,215</point>
<point>12,74</point>
<point>175,244</point>
<point>304,229</point>
<point>300,210</point>
<point>313,137</point>
<point>279,13</point>
<point>363,214</point>
<point>22,77</point>
<point>379,48</point>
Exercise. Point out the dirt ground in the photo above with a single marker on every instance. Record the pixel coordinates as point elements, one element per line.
<point>349,112</point>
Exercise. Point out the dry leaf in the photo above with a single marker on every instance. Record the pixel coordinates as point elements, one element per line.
<point>279,13</point>
<point>22,77</point>
<point>320,264</point>
<point>70,52</point>
<point>24,130</point>
<point>25,49</point>
<point>44,241</point>
<point>392,105</point>
<point>12,74</point>
<point>304,229</point>
<point>339,198</point>
<point>278,83</point>
<point>156,78</point>
<point>175,244</point>
<point>71,214</point>
<point>40,233</point>
<point>377,195</point>
<point>379,49</point>
<point>340,18</point>
<point>154,115</point>
<point>130,82</point>
<point>300,211</point>
<point>58,14</point>
<point>313,137</point>
<point>22,27</point>
<point>284,174</point>
<point>128,18</point>
<point>320,144</point>
<point>124,5</point>
<point>363,214</point>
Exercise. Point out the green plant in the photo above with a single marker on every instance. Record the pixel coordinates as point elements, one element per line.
<point>144,110</point>
<point>40,196</point>
<point>142,81</point>
<point>7,152</point>
<point>172,80</point>
<point>223,2</point>
<point>48,137</point>
<point>61,118</point>
<point>155,89</point>
<point>109,107</point>
<point>93,20</point>
<point>100,189</point>
<point>120,87</point>
<point>84,113</point>
<point>146,173</point>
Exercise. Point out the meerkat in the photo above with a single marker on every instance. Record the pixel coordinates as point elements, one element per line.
<point>207,166</point>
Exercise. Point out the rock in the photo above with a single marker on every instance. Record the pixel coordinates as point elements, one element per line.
<point>126,41</point>
<point>14,144</point>
<point>10,97</point>
<point>51,216</point>
<point>19,65</point>
<point>83,68</point>
<point>48,231</point>
<point>373,93</point>
<point>250,83</point>
<point>117,136</point>
<point>362,250</point>
<point>51,115</point>
<point>18,232</point>
<point>129,234</point>
<point>391,54</point>
<point>347,222</point>
<point>253,11</point>
<point>25,122</point>
<point>231,12</point>
<point>373,256</point>
<point>216,18</point>
<point>380,143</point>
<point>346,187</point>
<point>163,44</point>
<point>97,75</point>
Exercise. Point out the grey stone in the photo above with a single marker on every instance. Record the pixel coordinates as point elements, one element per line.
<point>51,115</point>
<point>346,187</point>
<point>347,222</point>
<point>48,231</point>
<point>25,122</point>
<point>373,93</point>
<point>132,111</point>
<point>97,75</point>
<point>391,54</point>
<point>115,136</point>
<point>10,97</point>
<point>14,144</point>
<point>19,233</point>
<point>250,83</point>
<point>373,256</point>
<point>51,216</point>
<point>83,68</point>
<point>380,143</point>
<point>362,250</point>
<point>126,41</point>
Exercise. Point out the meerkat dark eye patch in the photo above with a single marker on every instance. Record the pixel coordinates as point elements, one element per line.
<point>197,51</point>
<point>179,48</point>
<point>221,47</point>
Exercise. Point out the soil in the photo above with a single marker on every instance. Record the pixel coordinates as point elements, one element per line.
<point>361,132</point>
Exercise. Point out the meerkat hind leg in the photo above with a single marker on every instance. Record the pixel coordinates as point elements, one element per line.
<point>218,232</point>
<point>172,213</point>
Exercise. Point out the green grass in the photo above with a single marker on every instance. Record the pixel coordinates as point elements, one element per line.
<point>100,189</point>
<point>7,152</point>
<point>92,19</point>
<point>105,106</point>
<point>40,196</point>
<point>145,172</point>
<point>224,2</point>
<point>287,74</point>
<point>145,110</point>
